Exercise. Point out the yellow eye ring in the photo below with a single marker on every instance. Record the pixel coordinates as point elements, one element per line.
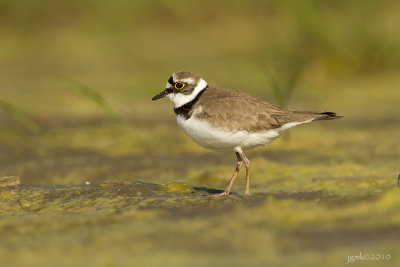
<point>179,86</point>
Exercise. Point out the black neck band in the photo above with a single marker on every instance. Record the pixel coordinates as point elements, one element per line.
<point>186,110</point>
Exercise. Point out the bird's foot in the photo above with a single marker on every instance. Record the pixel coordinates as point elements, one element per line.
<point>225,193</point>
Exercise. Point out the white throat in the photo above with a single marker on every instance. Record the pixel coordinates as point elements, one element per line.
<point>181,99</point>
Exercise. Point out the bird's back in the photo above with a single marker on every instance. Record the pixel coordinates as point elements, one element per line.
<point>239,111</point>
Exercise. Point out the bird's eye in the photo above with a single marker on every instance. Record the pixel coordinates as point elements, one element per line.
<point>179,86</point>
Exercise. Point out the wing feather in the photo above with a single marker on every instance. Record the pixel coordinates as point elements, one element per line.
<point>239,111</point>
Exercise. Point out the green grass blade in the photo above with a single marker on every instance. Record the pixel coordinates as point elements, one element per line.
<point>19,115</point>
<point>97,98</point>
<point>275,83</point>
<point>293,79</point>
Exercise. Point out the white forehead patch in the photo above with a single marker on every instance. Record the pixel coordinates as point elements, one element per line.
<point>173,77</point>
<point>168,85</point>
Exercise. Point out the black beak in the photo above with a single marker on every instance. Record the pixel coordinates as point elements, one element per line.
<point>161,95</point>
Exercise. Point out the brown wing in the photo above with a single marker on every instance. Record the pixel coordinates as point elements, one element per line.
<point>238,111</point>
<point>235,110</point>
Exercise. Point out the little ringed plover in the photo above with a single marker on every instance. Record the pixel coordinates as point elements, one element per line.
<point>227,120</point>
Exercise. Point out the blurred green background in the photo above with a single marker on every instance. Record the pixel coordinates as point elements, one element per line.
<point>76,82</point>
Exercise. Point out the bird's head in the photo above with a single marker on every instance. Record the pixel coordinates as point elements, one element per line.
<point>182,87</point>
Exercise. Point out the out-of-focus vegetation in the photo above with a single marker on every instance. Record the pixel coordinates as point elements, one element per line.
<point>128,48</point>
<point>76,81</point>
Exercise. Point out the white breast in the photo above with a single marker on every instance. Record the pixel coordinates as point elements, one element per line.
<point>224,140</point>
<point>220,139</point>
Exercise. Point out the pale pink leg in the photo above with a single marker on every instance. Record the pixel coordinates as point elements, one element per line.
<point>235,173</point>
<point>247,165</point>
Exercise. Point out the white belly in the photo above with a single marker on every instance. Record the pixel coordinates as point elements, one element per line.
<point>223,140</point>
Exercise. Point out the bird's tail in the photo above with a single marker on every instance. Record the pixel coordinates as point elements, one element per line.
<point>320,115</point>
<point>327,116</point>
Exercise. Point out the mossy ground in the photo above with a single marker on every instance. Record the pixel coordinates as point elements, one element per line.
<point>325,192</point>
<point>103,190</point>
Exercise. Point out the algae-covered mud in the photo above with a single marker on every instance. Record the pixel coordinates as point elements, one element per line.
<point>95,193</point>
<point>119,224</point>
<point>138,202</point>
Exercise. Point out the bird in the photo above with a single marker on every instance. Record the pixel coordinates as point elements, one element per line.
<point>229,120</point>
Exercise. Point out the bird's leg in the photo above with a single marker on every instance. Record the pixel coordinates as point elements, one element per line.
<point>235,173</point>
<point>247,165</point>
